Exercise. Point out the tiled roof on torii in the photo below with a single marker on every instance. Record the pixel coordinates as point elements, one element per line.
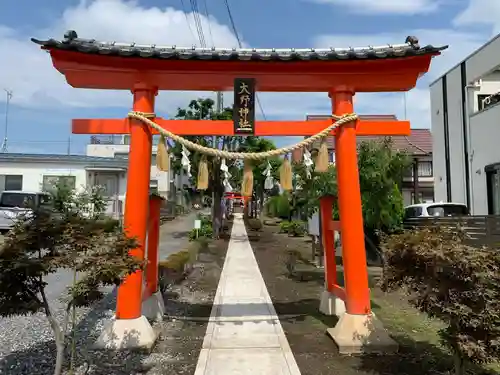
<point>71,42</point>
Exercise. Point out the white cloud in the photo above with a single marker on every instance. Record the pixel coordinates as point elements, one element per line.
<point>398,7</point>
<point>417,101</point>
<point>480,12</point>
<point>28,71</point>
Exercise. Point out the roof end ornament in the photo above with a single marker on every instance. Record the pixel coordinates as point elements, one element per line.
<point>412,41</point>
<point>69,36</point>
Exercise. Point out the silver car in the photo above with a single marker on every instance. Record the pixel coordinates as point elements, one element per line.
<point>16,203</point>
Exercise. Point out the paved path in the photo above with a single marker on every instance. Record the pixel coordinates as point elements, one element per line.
<point>174,235</point>
<point>244,335</point>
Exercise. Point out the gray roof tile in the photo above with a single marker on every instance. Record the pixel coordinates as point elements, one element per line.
<point>71,42</point>
<point>62,158</point>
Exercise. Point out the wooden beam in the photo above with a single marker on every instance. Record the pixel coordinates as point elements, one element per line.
<point>219,128</point>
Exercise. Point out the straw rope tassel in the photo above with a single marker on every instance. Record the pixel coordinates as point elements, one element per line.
<point>322,161</point>
<point>286,175</point>
<point>247,184</point>
<point>202,183</point>
<point>162,155</point>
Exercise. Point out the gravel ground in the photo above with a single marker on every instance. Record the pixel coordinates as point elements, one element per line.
<point>26,344</point>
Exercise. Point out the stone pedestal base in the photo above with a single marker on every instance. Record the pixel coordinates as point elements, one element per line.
<point>331,305</point>
<point>127,334</point>
<point>153,308</point>
<point>355,334</point>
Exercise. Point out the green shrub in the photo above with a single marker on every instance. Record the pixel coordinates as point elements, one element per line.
<point>205,219</point>
<point>451,281</point>
<point>284,226</point>
<point>205,231</point>
<point>177,265</point>
<point>108,225</point>
<point>278,206</point>
<point>295,228</point>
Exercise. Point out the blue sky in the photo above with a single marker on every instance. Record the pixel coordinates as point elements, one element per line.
<point>43,104</point>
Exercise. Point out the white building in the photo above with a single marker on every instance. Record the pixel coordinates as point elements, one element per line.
<point>466,131</point>
<point>118,147</point>
<point>38,172</point>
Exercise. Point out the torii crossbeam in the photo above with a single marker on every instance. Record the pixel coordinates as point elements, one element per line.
<point>224,128</point>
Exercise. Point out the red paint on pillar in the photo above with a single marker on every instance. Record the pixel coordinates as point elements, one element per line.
<point>326,212</point>
<point>153,242</point>
<point>351,217</point>
<point>129,298</point>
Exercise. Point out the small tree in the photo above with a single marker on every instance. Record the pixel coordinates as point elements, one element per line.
<point>452,281</point>
<point>69,231</point>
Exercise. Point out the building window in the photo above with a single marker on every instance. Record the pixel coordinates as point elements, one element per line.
<point>108,183</point>
<point>493,192</point>
<point>485,101</point>
<point>124,155</point>
<point>153,187</point>
<point>121,155</point>
<point>11,182</point>
<point>425,169</point>
<point>331,156</point>
<point>51,182</point>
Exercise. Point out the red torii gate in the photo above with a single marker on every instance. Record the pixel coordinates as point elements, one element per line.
<point>339,72</point>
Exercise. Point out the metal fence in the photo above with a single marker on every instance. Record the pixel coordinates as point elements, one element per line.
<point>482,230</point>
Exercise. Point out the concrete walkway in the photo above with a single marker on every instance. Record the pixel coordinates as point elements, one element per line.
<point>244,335</point>
<point>174,234</point>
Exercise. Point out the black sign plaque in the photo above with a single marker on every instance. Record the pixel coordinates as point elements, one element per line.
<point>244,106</point>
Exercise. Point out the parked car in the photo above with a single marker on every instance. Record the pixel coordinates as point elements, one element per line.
<point>16,203</point>
<point>440,209</point>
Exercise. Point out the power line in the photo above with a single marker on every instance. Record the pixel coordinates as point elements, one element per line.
<point>233,24</point>
<point>184,10</point>
<point>240,45</point>
<point>208,22</point>
<point>197,22</point>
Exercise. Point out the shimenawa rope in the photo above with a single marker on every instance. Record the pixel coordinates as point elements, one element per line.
<point>145,118</point>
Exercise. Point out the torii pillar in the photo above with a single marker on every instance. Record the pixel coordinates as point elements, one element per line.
<point>357,329</point>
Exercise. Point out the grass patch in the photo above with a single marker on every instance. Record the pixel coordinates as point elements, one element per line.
<point>420,353</point>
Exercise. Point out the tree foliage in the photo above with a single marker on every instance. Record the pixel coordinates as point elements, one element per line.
<point>204,109</point>
<point>69,232</point>
<point>380,173</point>
<point>447,279</point>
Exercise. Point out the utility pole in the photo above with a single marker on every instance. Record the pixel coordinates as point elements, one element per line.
<point>405,106</point>
<point>69,145</point>
<point>220,101</point>
<point>7,104</point>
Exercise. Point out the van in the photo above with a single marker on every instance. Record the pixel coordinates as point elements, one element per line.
<point>440,209</point>
<point>13,204</point>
